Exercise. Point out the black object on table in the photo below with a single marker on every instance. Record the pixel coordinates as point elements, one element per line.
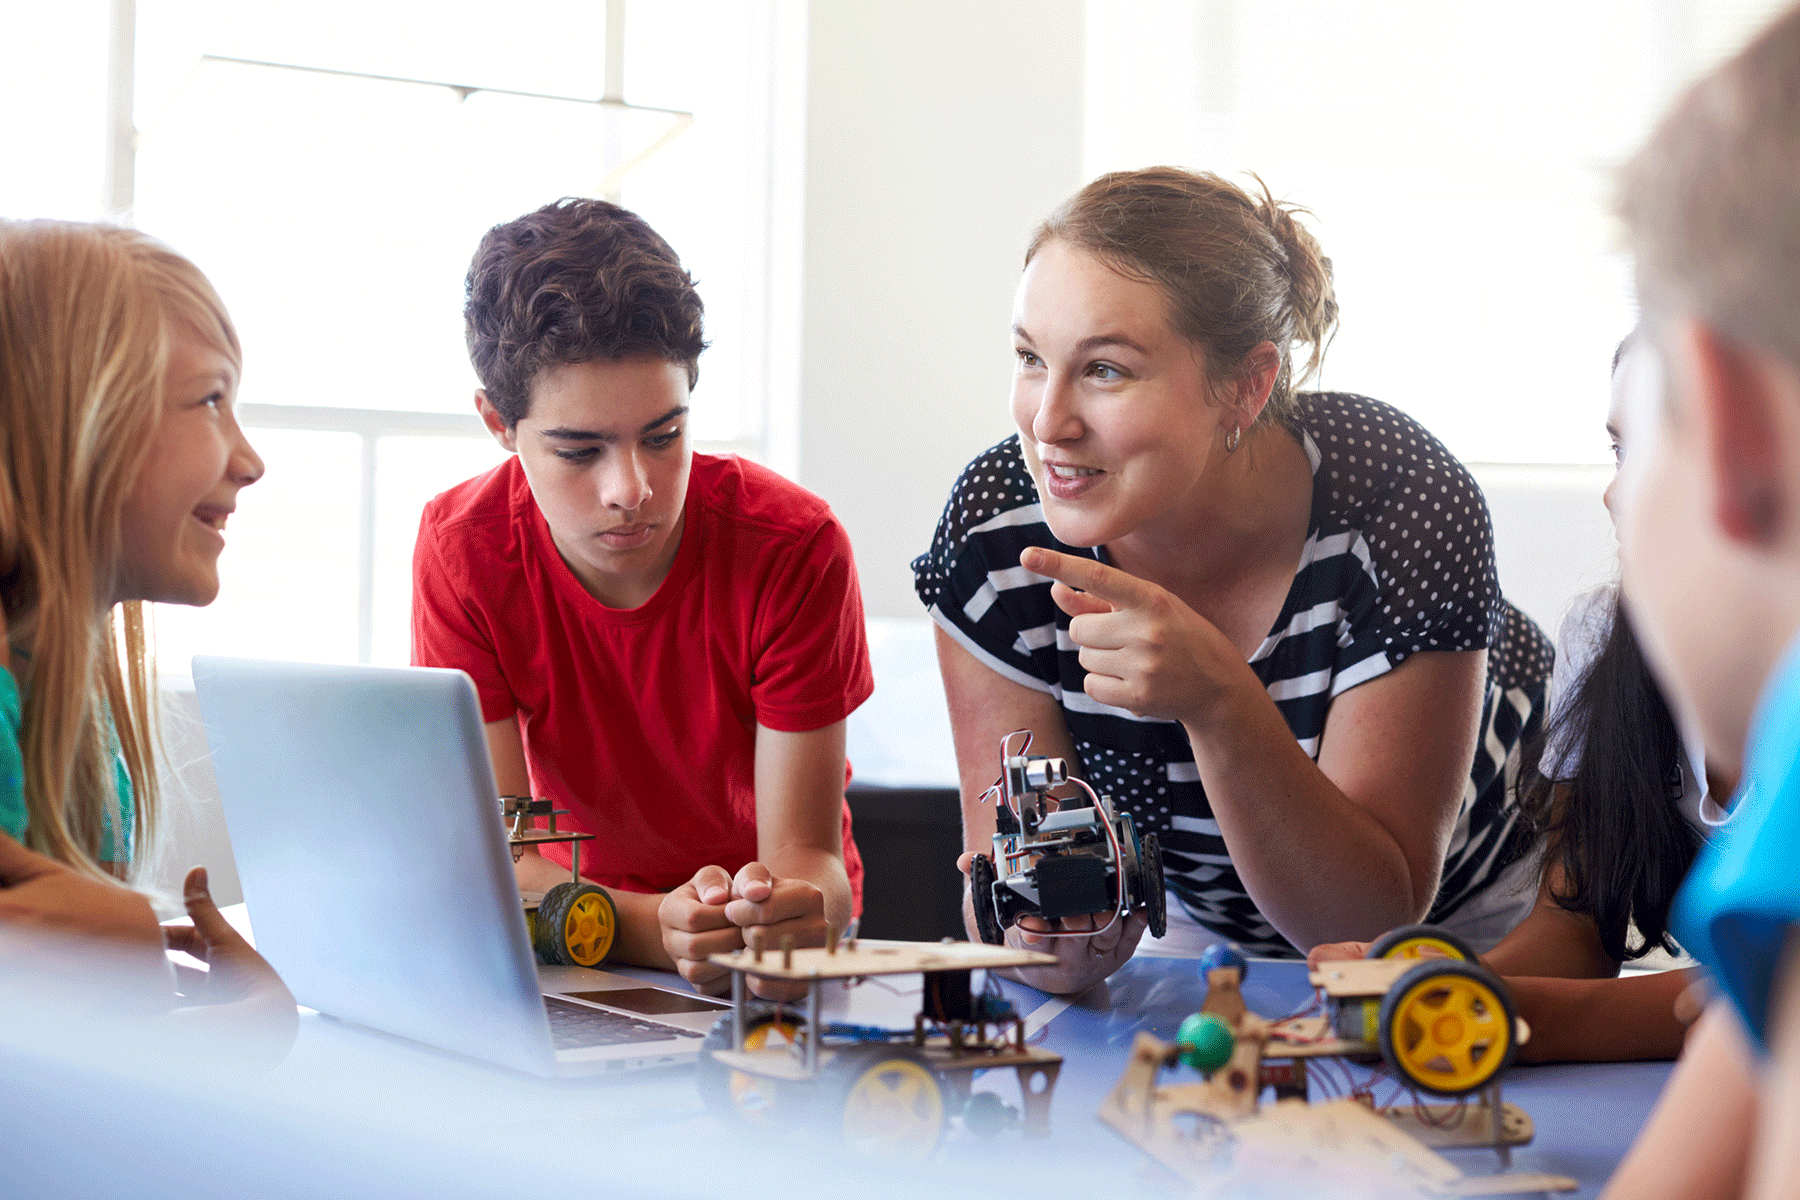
<point>909,839</point>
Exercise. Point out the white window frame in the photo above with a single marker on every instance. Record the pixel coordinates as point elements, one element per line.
<point>371,425</point>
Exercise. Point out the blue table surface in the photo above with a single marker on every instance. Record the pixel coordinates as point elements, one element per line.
<point>1585,1115</point>
<point>353,1113</point>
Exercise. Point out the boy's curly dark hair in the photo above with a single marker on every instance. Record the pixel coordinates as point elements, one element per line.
<point>575,281</point>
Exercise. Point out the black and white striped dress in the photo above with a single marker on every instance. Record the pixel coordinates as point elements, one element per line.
<point>1399,559</point>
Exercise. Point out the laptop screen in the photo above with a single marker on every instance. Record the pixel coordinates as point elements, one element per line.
<point>652,1001</point>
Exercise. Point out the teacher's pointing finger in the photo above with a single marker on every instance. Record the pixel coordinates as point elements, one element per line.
<point>1099,582</point>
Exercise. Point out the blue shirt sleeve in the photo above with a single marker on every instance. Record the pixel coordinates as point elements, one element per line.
<point>1734,911</point>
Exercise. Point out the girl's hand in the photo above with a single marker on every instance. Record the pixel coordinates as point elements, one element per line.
<point>240,992</point>
<point>1144,650</point>
<point>235,970</point>
<point>1081,962</point>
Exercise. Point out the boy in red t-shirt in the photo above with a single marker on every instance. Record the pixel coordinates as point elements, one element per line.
<point>665,643</point>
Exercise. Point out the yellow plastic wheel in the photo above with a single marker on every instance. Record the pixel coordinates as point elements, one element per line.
<point>754,1097</point>
<point>1421,941</point>
<point>892,1103</point>
<point>589,926</point>
<point>749,1103</point>
<point>574,925</point>
<point>1447,1027</point>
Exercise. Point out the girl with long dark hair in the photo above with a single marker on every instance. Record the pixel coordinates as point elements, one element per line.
<point>1624,801</point>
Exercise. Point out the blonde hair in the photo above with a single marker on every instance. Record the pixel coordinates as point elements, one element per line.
<point>87,317</point>
<point>1238,269</point>
<point>1712,201</point>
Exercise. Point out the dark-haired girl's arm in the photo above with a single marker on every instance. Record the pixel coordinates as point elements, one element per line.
<point>1569,992</point>
<point>1602,1020</point>
<point>1566,988</point>
<point>1552,940</point>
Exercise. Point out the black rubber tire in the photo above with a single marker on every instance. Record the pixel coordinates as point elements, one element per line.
<point>723,1093</point>
<point>1441,968</point>
<point>547,936</point>
<point>987,1116</point>
<point>1131,855</point>
<point>981,892</point>
<point>1156,900</point>
<point>899,1078</point>
<point>1392,943</point>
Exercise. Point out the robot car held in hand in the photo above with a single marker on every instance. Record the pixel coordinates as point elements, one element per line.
<point>1060,858</point>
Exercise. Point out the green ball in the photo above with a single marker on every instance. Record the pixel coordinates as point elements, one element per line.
<point>1206,1042</point>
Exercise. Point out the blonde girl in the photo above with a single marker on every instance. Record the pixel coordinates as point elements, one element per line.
<point>120,459</point>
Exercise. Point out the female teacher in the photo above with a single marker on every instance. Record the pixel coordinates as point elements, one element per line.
<point>1274,636</point>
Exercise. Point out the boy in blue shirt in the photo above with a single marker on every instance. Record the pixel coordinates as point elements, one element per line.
<point>1709,530</point>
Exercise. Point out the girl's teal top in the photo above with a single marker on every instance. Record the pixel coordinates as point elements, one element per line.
<point>116,823</point>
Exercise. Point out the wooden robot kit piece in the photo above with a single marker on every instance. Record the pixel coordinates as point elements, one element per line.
<point>572,924</point>
<point>1443,1025</point>
<point>1060,858</point>
<point>875,1091</point>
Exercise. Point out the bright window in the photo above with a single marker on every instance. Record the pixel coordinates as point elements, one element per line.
<point>337,214</point>
<point>1460,159</point>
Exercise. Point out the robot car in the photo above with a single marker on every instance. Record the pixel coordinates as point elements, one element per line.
<point>1060,858</point>
<point>869,1090</point>
<point>572,924</point>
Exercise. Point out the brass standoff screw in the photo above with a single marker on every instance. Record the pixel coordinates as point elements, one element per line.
<point>756,944</point>
<point>787,951</point>
<point>831,939</point>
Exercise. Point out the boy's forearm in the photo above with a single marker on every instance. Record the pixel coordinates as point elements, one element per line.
<point>1696,1141</point>
<point>639,941</point>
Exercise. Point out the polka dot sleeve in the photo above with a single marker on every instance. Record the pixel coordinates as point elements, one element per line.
<point>971,581</point>
<point>1423,527</point>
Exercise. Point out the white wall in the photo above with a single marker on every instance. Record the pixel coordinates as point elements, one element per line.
<point>193,832</point>
<point>938,133</point>
<point>1552,537</point>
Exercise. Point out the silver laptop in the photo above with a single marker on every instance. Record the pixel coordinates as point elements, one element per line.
<point>365,821</point>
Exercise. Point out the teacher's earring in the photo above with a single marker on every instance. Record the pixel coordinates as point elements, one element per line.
<point>1232,438</point>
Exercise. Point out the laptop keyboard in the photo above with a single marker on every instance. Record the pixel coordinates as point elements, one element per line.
<point>575,1026</point>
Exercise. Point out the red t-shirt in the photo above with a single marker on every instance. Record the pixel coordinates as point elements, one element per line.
<point>642,722</point>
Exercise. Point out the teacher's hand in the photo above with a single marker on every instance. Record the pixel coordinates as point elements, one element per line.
<point>1144,650</point>
<point>1081,962</point>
